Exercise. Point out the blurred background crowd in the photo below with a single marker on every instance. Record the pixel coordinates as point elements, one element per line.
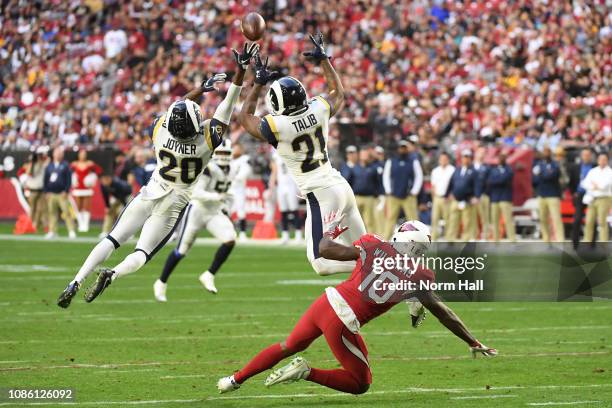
<point>431,79</point>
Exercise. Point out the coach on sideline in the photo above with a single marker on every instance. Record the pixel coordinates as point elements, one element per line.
<point>598,197</point>
<point>546,175</point>
<point>365,182</point>
<point>499,185</point>
<point>347,167</point>
<point>57,181</point>
<point>402,180</point>
<point>463,190</point>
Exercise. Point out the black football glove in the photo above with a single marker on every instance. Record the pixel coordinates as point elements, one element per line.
<point>318,52</point>
<point>262,74</point>
<point>243,59</point>
<point>208,84</point>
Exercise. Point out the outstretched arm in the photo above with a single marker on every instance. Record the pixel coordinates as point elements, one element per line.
<point>336,90</point>
<point>452,322</point>
<point>246,117</point>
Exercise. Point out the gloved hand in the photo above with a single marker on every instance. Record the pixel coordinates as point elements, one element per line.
<point>334,229</point>
<point>208,84</point>
<point>318,52</point>
<point>243,59</point>
<point>262,74</point>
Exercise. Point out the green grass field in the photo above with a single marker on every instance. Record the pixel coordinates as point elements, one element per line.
<point>126,349</point>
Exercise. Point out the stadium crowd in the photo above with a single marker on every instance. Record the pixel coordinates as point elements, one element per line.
<point>522,73</point>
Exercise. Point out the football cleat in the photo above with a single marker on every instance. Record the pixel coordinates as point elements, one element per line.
<point>227,384</point>
<point>105,278</point>
<point>208,280</point>
<point>66,297</point>
<point>417,312</point>
<point>297,369</point>
<point>159,289</point>
<point>479,348</point>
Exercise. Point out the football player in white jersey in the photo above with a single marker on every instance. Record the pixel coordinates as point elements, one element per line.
<point>208,209</point>
<point>241,169</point>
<point>298,128</point>
<point>286,197</point>
<point>183,144</point>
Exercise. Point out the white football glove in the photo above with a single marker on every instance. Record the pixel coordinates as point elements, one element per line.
<point>478,347</point>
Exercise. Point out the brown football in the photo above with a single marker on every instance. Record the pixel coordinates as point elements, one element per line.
<point>253,26</point>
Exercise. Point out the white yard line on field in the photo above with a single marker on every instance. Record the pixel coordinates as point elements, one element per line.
<point>554,403</point>
<point>494,396</point>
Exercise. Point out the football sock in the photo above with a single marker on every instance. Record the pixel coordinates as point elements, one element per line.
<point>285,220</point>
<point>131,263</point>
<point>242,224</point>
<point>297,223</point>
<point>339,379</point>
<point>326,267</point>
<point>266,359</point>
<point>171,262</point>
<point>99,254</point>
<point>222,253</point>
<point>86,218</point>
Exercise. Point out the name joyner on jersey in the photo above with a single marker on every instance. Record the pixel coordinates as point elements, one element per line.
<point>180,148</point>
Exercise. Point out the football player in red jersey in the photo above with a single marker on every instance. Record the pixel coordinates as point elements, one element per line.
<point>339,313</point>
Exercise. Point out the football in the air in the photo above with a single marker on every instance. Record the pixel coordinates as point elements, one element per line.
<point>253,26</point>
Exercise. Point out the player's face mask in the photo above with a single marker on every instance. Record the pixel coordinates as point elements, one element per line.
<point>185,120</point>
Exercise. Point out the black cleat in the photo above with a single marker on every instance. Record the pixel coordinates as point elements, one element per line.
<point>103,281</point>
<point>66,297</point>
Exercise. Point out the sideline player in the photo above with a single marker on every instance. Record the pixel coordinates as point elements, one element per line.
<point>298,129</point>
<point>241,169</point>
<point>183,144</point>
<point>207,209</point>
<point>340,312</point>
<point>286,196</point>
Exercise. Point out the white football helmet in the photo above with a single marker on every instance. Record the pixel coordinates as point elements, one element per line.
<point>286,96</point>
<point>223,153</point>
<point>412,238</point>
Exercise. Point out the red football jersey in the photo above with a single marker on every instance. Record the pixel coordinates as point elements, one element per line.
<point>365,290</point>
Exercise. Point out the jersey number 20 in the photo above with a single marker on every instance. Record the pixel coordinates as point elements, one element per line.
<point>187,165</point>
<point>310,163</point>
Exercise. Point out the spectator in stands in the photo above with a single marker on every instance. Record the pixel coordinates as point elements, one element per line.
<point>463,191</point>
<point>365,187</point>
<point>576,176</point>
<point>402,179</point>
<point>57,182</point>
<point>483,209</point>
<point>499,185</point>
<point>598,197</point>
<point>546,174</point>
<point>347,167</point>
<point>116,192</point>
<point>440,180</point>
<point>33,182</point>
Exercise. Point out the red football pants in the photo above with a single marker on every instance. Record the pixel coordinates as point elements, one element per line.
<point>348,348</point>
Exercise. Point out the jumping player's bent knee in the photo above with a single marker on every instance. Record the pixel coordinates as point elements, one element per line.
<point>363,388</point>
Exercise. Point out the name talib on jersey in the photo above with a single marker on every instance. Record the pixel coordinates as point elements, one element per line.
<point>305,123</point>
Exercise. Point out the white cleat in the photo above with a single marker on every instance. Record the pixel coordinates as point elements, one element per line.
<point>242,237</point>
<point>208,281</point>
<point>159,289</point>
<point>227,384</point>
<point>297,369</point>
<point>72,235</point>
<point>50,235</point>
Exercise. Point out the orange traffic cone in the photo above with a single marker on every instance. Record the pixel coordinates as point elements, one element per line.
<point>24,225</point>
<point>264,230</point>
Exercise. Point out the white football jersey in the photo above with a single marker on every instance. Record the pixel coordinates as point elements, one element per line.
<point>284,179</point>
<point>215,180</point>
<point>241,169</point>
<point>301,142</point>
<point>179,164</point>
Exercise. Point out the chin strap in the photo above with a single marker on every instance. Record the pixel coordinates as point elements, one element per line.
<point>223,113</point>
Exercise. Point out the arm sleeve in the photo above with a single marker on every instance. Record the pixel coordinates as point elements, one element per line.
<point>223,113</point>
<point>387,177</point>
<point>418,178</point>
<point>269,130</point>
<point>213,133</point>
